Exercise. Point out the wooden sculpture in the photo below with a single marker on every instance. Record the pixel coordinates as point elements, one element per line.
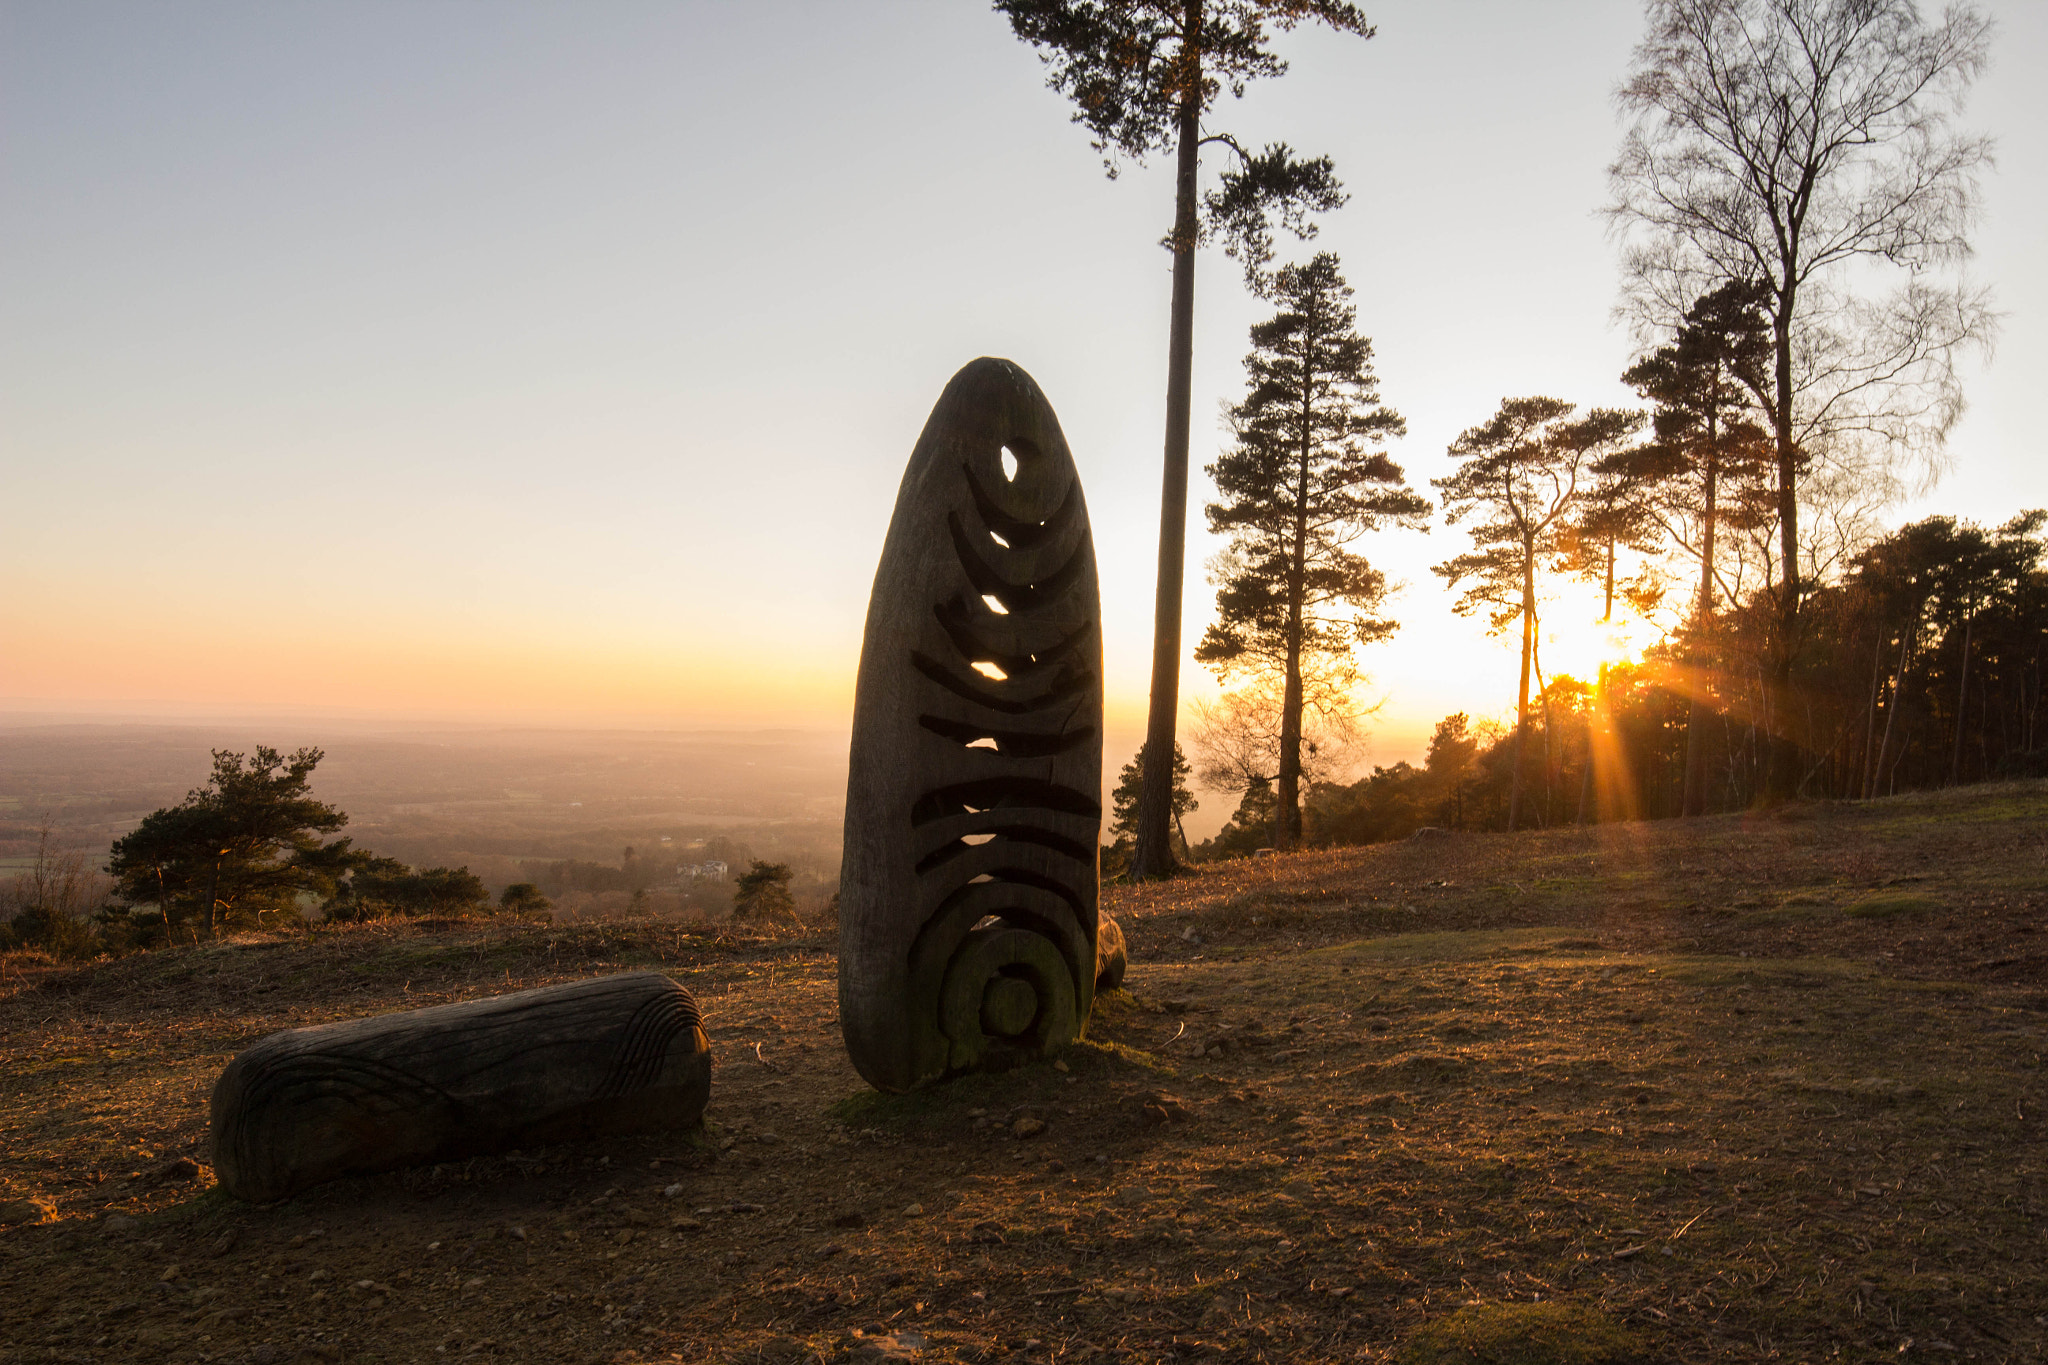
<point>967,929</point>
<point>619,1054</point>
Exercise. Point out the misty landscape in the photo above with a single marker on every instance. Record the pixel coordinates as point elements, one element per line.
<point>558,808</point>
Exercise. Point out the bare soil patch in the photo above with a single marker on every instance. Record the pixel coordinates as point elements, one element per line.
<point>1764,1089</point>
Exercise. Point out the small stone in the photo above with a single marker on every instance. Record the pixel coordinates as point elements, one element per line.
<point>913,1210</point>
<point>1027,1128</point>
<point>475,1282</point>
<point>171,1273</point>
<point>687,1224</point>
<point>1059,1066</point>
<point>14,1211</point>
<point>1160,1107</point>
<point>320,1276</point>
<point>673,1192</point>
<point>517,1234</point>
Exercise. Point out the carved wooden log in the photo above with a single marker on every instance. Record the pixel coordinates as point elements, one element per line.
<point>967,894</point>
<point>619,1054</point>
<point>1112,958</point>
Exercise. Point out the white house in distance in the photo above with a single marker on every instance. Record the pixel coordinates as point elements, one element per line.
<point>713,869</point>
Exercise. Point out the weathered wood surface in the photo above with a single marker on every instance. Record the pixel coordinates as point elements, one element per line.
<point>1112,958</point>
<point>967,920</point>
<point>617,1054</point>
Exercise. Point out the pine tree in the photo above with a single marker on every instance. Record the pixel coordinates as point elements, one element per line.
<point>1142,74</point>
<point>1709,386</point>
<point>1301,483</point>
<point>1523,471</point>
<point>244,844</point>
<point>1130,785</point>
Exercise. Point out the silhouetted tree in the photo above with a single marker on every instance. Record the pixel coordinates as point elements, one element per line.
<point>1301,483</point>
<point>1130,782</point>
<point>1806,145</point>
<point>1521,472</point>
<point>244,844</point>
<point>1141,74</point>
<point>762,891</point>
<point>524,898</point>
<point>1708,385</point>
<point>384,886</point>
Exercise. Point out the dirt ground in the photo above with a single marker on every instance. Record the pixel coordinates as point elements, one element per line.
<point>1764,1089</point>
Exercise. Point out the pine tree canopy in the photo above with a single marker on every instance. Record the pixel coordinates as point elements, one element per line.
<point>1304,479</point>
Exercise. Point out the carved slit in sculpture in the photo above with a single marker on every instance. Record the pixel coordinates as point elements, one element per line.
<point>1008,743</point>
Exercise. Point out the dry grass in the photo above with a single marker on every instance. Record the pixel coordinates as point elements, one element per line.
<point>1682,1083</point>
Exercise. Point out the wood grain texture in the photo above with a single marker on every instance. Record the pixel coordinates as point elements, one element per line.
<point>974,789</point>
<point>617,1054</point>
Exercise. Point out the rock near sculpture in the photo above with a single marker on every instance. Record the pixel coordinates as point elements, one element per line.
<point>968,917</point>
<point>619,1054</point>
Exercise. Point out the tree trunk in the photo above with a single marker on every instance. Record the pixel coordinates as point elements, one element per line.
<point>1522,696</point>
<point>1779,774</point>
<point>1692,798</point>
<point>1153,854</point>
<point>1599,719</point>
<point>1287,819</point>
<point>212,896</point>
<point>1548,815</point>
<point>1955,762</point>
<point>1891,713</point>
<point>1863,779</point>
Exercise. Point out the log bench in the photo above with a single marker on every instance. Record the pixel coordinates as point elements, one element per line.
<point>619,1054</point>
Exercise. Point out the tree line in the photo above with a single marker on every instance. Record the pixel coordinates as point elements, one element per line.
<point>1793,198</point>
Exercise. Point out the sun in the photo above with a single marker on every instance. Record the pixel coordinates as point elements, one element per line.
<point>1574,641</point>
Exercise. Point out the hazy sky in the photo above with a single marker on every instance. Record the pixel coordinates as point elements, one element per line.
<point>560,361</point>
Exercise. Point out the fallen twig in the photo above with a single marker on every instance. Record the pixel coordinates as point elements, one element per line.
<point>765,1062</point>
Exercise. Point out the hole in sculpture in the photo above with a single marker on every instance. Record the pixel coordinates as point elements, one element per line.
<point>976,838</point>
<point>994,604</point>
<point>985,742</point>
<point>1009,465</point>
<point>990,670</point>
<point>999,540</point>
<point>984,877</point>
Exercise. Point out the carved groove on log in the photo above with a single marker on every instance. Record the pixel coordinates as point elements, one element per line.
<point>968,894</point>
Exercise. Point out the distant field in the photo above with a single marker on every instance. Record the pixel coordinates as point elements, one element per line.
<point>486,799</point>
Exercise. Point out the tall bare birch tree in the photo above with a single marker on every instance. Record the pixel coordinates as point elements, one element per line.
<point>1809,146</point>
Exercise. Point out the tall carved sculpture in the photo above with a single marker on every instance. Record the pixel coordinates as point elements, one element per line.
<point>968,924</point>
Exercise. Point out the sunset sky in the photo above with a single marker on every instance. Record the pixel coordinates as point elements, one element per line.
<point>559,362</point>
